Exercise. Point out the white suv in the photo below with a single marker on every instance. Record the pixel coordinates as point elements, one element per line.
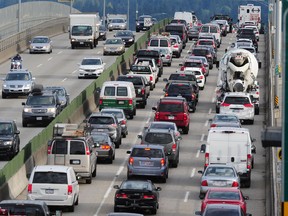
<point>56,185</point>
<point>240,104</point>
<point>145,69</point>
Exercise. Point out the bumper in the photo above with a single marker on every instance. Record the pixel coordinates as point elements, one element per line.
<point>67,202</point>
<point>95,74</point>
<point>15,91</point>
<point>40,50</point>
<point>135,171</point>
<point>81,43</point>
<point>38,118</point>
<point>104,154</point>
<point>135,204</point>
<point>140,99</point>
<point>5,149</point>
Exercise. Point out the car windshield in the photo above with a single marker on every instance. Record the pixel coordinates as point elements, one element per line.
<point>225,195</point>
<point>5,128</point>
<point>158,138</point>
<point>113,41</point>
<point>101,120</point>
<point>237,100</point>
<point>220,171</point>
<point>81,30</point>
<point>147,152</point>
<point>171,107</point>
<point>221,212</point>
<point>91,62</point>
<point>40,40</point>
<point>59,92</point>
<point>40,100</point>
<point>50,178</point>
<point>17,76</point>
<point>136,185</point>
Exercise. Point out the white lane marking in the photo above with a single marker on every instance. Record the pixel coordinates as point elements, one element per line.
<point>119,171</point>
<point>50,59</point>
<point>59,52</point>
<point>186,196</point>
<point>64,80</point>
<point>206,123</point>
<point>202,137</point>
<point>192,173</point>
<point>210,111</point>
<point>74,71</point>
<point>39,65</point>
<point>198,154</point>
<point>98,52</point>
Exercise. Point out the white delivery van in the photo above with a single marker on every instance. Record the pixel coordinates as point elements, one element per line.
<point>187,16</point>
<point>231,146</point>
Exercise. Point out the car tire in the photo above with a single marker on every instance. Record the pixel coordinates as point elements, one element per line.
<point>142,105</point>
<point>164,179</point>
<point>4,95</point>
<point>24,123</point>
<point>77,201</point>
<point>72,47</point>
<point>201,195</point>
<point>110,159</point>
<point>185,130</point>
<point>256,110</point>
<point>248,183</point>
<point>154,210</point>
<point>94,173</point>
<point>169,64</point>
<point>71,208</point>
<point>117,145</point>
<point>116,209</point>
<point>89,180</point>
<point>175,163</point>
<point>131,116</point>
<point>123,135</point>
<point>201,88</point>
<point>113,157</point>
<point>217,109</point>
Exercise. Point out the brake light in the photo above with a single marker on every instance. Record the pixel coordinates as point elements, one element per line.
<point>114,125</point>
<point>248,105</point>
<point>176,46</point>
<point>142,91</point>
<point>185,117</point>
<point>29,188</point>
<point>201,77</point>
<point>168,57</point>
<point>121,196</point>
<point>235,184</point>
<point>224,104</point>
<point>162,162</point>
<point>204,183</point>
<point>151,78</point>
<point>148,197</point>
<point>206,159</point>
<point>70,189</point>
<point>203,69</point>
<point>213,125</point>
<point>174,147</point>
<point>130,102</point>
<point>105,147</point>
<point>100,101</point>
<point>131,160</point>
<point>166,94</point>
<point>49,150</point>
<point>182,68</point>
<point>157,116</point>
<point>158,61</point>
<point>249,161</point>
<point>87,151</point>
<point>123,122</point>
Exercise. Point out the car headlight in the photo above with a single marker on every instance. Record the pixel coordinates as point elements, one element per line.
<point>105,48</point>
<point>28,85</point>
<point>51,110</point>
<point>131,39</point>
<point>73,39</point>
<point>137,23</point>
<point>5,85</point>
<point>45,47</point>
<point>7,142</point>
<point>63,102</point>
<point>27,110</point>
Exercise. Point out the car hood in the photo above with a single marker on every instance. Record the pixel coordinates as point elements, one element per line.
<point>85,67</point>
<point>17,82</point>
<point>5,137</point>
<point>40,44</point>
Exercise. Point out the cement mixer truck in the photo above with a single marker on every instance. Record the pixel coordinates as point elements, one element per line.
<point>238,70</point>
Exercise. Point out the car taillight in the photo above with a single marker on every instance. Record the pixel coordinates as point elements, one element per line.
<point>100,101</point>
<point>49,150</point>
<point>204,183</point>
<point>157,115</point>
<point>176,46</point>
<point>121,196</point>
<point>130,102</point>
<point>162,162</point>
<point>166,94</point>
<point>148,197</point>
<point>151,78</point>
<point>203,69</point>
<point>174,147</point>
<point>224,104</point>
<point>193,96</point>
<point>29,188</point>
<point>201,77</point>
<point>182,68</point>
<point>249,161</point>
<point>248,105</point>
<point>69,189</point>
<point>213,125</point>
<point>142,91</point>
<point>168,57</point>
<point>114,125</point>
<point>235,184</point>
<point>123,122</point>
<point>105,147</point>
<point>206,159</point>
<point>131,160</point>
<point>185,117</point>
<point>87,151</point>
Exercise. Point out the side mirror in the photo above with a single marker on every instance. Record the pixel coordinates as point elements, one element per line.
<point>139,136</point>
<point>128,152</point>
<point>78,177</point>
<point>253,149</point>
<point>246,197</point>
<point>203,148</point>
<point>85,121</point>
<point>17,132</point>
<point>23,103</point>
<point>158,188</point>
<point>179,138</point>
<point>28,175</point>
<point>154,108</point>
<point>180,64</point>
<point>116,187</point>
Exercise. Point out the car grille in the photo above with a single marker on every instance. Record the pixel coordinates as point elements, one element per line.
<point>39,110</point>
<point>135,196</point>
<point>90,70</point>
<point>39,47</point>
<point>16,86</point>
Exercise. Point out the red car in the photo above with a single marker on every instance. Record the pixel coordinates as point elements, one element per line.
<point>231,196</point>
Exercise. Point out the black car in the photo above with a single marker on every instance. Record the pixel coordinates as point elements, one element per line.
<point>141,25</point>
<point>193,33</point>
<point>9,138</point>
<point>61,93</point>
<point>186,90</point>
<point>40,107</point>
<point>136,194</point>
<point>203,50</point>
<point>141,85</point>
<point>102,32</point>
<point>248,35</point>
<point>148,53</point>
<point>127,36</point>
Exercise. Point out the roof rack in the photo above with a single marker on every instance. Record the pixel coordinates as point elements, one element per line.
<point>67,130</point>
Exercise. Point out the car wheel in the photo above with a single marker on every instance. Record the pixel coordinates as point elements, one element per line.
<point>124,135</point>
<point>72,47</point>
<point>169,64</point>
<point>110,159</point>
<point>116,209</point>
<point>113,157</point>
<point>154,210</point>
<point>248,183</point>
<point>4,95</point>
<point>77,201</point>
<point>134,111</point>
<point>201,88</point>
<point>201,195</point>
<point>256,111</point>
<point>71,208</point>
<point>117,145</point>
<point>89,180</point>
<point>164,179</point>
<point>24,123</point>
<point>143,105</point>
<point>175,163</point>
<point>131,116</point>
<point>94,173</point>
<point>186,130</point>
<point>217,109</point>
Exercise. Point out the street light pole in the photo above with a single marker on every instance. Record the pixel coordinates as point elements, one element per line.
<point>19,15</point>
<point>104,13</point>
<point>128,9</point>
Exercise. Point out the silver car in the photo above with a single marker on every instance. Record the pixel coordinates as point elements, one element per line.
<point>164,125</point>
<point>117,24</point>
<point>119,113</point>
<point>166,56</point>
<point>17,83</point>
<point>177,45</point>
<point>218,175</point>
<point>40,44</point>
<point>225,120</point>
<point>114,46</point>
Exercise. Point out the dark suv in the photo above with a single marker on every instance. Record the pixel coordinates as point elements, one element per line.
<point>106,123</point>
<point>141,85</point>
<point>173,109</point>
<point>165,138</point>
<point>206,52</point>
<point>148,53</point>
<point>140,23</point>
<point>9,138</point>
<point>184,89</point>
<point>40,107</point>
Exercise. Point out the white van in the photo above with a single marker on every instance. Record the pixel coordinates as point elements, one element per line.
<point>231,146</point>
<point>187,16</point>
<point>213,29</point>
<point>56,185</point>
<point>118,94</point>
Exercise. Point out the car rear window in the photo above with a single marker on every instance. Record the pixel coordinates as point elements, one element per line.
<point>162,126</point>
<point>60,147</point>
<point>154,43</point>
<point>147,152</point>
<point>179,89</point>
<point>225,195</point>
<point>101,120</point>
<point>164,43</point>
<point>222,212</point>
<point>205,29</point>
<point>205,42</point>
<point>140,69</point>
<point>171,107</point>
<point>237,100</point>
<point>201,52</point>
<point>122,91</point>
<point>134,80</point>
<point>158,138</point>
<point>187,77</point>
<point>50,178</point>
<point>109,91</point>
<point>220,171</point>
<point>193,64</point>
<point>77,147</point>
<point>20,209</point>
<point>213,29</point>
<point>136,185</point>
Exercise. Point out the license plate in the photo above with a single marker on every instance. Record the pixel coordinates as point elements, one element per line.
<point>101,130</point>
<point>146,163</point>
<point>120,102</point>
<point>235,110</point>
<point>39,118</point>
<point>75,162</point>
<point>49,191</point>
<point>81,42</point>
<point>219,183</point>
<point>170,117</point>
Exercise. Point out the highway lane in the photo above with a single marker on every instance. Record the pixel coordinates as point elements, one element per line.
<point>58,68</point>
<point>179,196</point>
